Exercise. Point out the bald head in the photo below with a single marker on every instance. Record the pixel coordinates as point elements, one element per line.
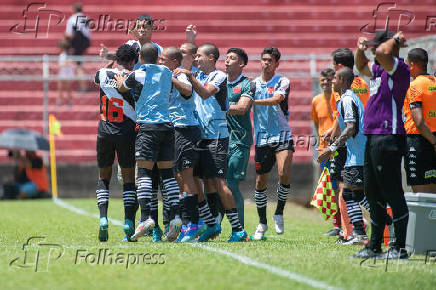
<point>347,75</point>
<point>149,53</point>
<point>173,52</point>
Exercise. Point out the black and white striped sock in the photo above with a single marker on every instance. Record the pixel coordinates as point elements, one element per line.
<point>261,200</point>
<point>144,191</point>
<point>171,190</point>
<point>355,214</point>
<point>205,214</point>
<point>102,193</point>
<point>282,195</point>
<point>129,200</point>
<point>154,213</point>
<point>232,216</point>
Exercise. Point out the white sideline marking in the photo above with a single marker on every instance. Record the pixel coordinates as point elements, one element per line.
<point>82,211</point>
<point>240,258</point>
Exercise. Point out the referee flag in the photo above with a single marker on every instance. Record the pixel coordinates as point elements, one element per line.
<point>324,197</point>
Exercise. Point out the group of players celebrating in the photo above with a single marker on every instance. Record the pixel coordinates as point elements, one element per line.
<point>181,123</point>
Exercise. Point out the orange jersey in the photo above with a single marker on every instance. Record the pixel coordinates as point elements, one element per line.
<point>359,87</point>
<point>322,115</point>
<point>422,89</point>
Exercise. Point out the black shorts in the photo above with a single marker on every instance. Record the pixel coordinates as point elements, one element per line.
<point>154,145</point>
<point>265,155</point>
<point>213,158</point>
<point>420,161</point>
<point>353,176</point>
<point>186,139</point>
<point>124,146</point>
<point>338,163</point>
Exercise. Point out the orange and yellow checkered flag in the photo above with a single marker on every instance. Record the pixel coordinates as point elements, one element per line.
<point>324,197</point>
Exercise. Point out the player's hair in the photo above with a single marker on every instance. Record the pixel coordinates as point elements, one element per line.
<point>145,17</point>
<point>242,55</point>
<point>347,74</point>
<point>174,53</point>
<point>192,47</point>
<point>327,73</point>
<point>211,48</point>
<point>77,7</point>
<point>149,53</point>
<point>343,56</point>
<point>419,56</point>
<point>274,51</point>
<point>125,54</point>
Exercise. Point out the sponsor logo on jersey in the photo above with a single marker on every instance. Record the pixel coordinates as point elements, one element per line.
<point>360,91</point>
<point>432,114</point>
<point>270,91</point>
<point>432,88</point>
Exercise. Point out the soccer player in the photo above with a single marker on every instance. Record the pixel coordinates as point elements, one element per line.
<point>187,135</point>
<point>343,57</point>
<point>210,86</point>
<point>420,124</point>
<point>350,119</point>
<point>272,137</point>
<point>116,134</point>
<point>143,31</point>
<point>189,50</point>
<point>152,86</point>
<point>240,93</point>
<point>385,146</point>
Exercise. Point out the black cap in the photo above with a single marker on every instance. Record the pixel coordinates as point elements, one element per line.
<point>380,37</point>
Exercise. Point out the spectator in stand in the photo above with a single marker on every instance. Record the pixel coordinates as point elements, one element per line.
<point>77,32</point>
<point>66,74</point>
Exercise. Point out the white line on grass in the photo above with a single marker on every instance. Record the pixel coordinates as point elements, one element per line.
<point>240,258</point>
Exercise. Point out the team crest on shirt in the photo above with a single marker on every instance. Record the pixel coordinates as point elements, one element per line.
<point>270,91</point>
<point>237,90</point>
<point>205,84</point>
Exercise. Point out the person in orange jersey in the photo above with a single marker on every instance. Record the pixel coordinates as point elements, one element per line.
<point>420,124</point>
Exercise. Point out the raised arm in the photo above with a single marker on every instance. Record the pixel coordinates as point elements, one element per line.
<point>384,53</point>
<point>360,59</point>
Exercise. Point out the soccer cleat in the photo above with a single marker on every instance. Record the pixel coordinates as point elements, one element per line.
<point>240,236</point>
<point>333,232</point>
<point>191,233</point>
<point>210,233</point>
<point>157,235</point>
<point>394,254</point>
<point>260,232</point>
<point>343,241</point>
<point>361,240</point>
<point>142,228</point>
<point>103,230</point>
<point>279,224</point>
<point>128,229</point>
<point>367,253</point>
<point>174,229</point>
<point>182,233</point>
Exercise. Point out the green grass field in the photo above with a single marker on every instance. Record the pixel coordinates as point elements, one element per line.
<point>302,258</point>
